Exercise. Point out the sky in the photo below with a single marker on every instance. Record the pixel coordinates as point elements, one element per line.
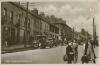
<point>78,14</point>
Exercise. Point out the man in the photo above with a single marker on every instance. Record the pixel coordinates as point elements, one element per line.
<point>75,47</point>
<point>69,52</point>
<point>43,43</point>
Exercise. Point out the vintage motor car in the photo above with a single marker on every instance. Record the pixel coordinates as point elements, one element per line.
<point>49,42</point>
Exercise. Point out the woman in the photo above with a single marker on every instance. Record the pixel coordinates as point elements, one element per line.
<point>88,53</point>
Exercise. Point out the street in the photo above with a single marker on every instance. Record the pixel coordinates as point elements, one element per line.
<point>41,56</point>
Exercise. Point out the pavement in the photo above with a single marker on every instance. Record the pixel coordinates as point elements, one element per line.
<point>40,56</point>
<point>15,48</point>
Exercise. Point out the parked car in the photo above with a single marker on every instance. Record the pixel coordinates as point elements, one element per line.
<point>35,44</point>
<point>49,42</point>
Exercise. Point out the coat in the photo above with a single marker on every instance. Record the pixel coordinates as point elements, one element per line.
<point>89,51</point>
<point>69,52</point>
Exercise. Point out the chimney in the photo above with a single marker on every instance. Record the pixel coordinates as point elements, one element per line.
<point>42,14</point>
<point>35,11</point>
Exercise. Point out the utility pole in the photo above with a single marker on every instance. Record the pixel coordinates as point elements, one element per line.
<point>26,26</point>
<point>94,33</point>
<point>73,35</point>
<point>94,30</point>
<point>87,36</point>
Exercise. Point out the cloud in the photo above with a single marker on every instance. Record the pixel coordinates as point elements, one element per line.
<point>68,11</point>
<point>75,14</point>
<point>66,7</point>
<point>80,23</point>
<point>49,9</point>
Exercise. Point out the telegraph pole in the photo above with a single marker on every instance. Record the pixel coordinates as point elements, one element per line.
<point>87,36</point>
<point>94,33</point>
<point>93,30</point>
<point>73,35</point>
<point>26,26</point>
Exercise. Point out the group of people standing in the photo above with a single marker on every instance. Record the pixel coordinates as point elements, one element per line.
<point>71,52</point>
<point>88,54</point>
<point>71,55</point>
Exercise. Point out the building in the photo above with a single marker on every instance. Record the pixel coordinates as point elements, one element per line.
<point>13,23</point>
<point>18,24</point>
<point>65,32</point>
<point>54,31</point>
<point>48,29</point>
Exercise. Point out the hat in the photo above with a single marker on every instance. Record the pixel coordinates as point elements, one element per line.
<point>70,44</point>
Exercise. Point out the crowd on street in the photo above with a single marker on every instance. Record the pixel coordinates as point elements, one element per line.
<point>71,55</point>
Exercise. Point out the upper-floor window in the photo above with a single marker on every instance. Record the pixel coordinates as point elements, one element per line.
<point>40,25</point>
<point>25,21</point>
<point>4,12</point>
<point>4,16</point>
<point>18,17</point>
<point>28,23</point>
<point>36,23</point>
<point>22,21</point>
<point>18,20</point>
<point>45,27</point>
<point>11,17</point>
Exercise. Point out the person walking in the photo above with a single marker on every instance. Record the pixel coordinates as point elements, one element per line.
<point>75,47</point>
<point>85,58</point>
<point>89,54</point>
<point>70,53</point>
<point>92,53</point>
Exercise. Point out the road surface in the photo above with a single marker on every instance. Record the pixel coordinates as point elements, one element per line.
<point>40,56</point>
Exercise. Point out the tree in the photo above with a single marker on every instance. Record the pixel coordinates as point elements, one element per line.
<point>83,32</point>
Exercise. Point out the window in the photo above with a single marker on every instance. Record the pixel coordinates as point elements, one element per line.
<point>4,12</point>
<point>18,17</point>
<point>40,25</point>
<point>22,22</point>
<point>45,27</point>
<point>12,34</point>
<point>35,23</point>
<point>22,19</point>
<point>18,20</point>
<point>28,23</point>
<point>4,17</point>
<point>11,17</point>
<point>25,21</point>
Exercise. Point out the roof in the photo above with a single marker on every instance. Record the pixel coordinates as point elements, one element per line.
<point>33,14</point>
<point>64,25</point>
